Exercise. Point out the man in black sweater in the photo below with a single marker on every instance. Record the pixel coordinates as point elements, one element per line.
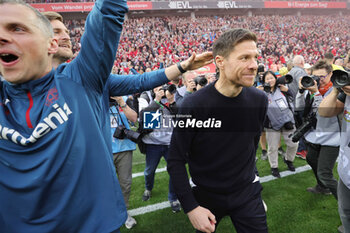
<point>217,134</point>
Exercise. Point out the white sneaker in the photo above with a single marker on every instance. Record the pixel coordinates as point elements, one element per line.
<point>175,206</point>
<point>130,222</point>
<point>265,206</point>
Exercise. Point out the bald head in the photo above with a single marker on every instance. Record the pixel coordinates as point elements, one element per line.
<point>298,60</point>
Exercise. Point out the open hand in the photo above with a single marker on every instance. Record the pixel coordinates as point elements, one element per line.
<point>197,61</point>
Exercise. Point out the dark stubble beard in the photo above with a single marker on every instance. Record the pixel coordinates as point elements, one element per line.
<point>62,57</point>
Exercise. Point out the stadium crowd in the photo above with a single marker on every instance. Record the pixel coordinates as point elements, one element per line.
<point>146,41</point>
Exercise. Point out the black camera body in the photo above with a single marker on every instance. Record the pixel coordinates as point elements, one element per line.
<point>308,81</point>
<point>267,87</point>
<point>286,79</point>
<point>168,87</point>
<point>121,132</point>
<point>201,80</point>
<point>288,125</point>
<point>340,78</point>
<point>309,122</point>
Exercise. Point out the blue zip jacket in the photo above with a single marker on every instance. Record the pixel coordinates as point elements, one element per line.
<point>56,172</point>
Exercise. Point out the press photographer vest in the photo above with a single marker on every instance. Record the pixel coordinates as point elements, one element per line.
<point>344,152</point>
<point>327,129</point>
<point>278,110</point>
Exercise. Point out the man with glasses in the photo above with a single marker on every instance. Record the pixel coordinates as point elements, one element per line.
<point>323,138</point>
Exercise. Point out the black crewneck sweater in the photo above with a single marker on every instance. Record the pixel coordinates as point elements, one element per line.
<point>221,160</point>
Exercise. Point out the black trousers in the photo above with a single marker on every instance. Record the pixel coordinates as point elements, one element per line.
<point>322,161</point>
<point>244,207</point>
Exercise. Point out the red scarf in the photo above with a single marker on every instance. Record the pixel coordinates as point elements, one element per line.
<point>324,89</point>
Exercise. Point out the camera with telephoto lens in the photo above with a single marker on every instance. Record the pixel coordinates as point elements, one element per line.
<point>340,78</point>
<point>201,81</point>
<point>286,79</point>
<point>309,122</point>
<point>168,87</point>
<point>308,81</point>
<point>267,87</point>
<point>121,132</point>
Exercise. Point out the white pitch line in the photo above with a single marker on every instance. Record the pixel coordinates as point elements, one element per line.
<point>166,204</point>
<point>141,173</point>
<point>149,208</point>
<point>285,173</point>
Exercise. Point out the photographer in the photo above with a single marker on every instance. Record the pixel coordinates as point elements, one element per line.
<point>279,121</point>
<point>262,141</point>
<point>331,106</point>
<point>258,77</point>
<point>157,142</point>
<point>297,72</point>
<point>323,137</point>
<point>122,148</point>
<point>192,82</point>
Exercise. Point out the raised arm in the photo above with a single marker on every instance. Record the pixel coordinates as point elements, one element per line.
<point>98,44</point>
<point>119,85</point>
<point>331,105</point>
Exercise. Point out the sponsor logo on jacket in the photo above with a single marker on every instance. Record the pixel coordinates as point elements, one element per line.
<point>53,120</point>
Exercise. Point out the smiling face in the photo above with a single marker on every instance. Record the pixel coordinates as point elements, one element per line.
<point>270,79</point>
<point>61,33</point>
<point>25,49</point>
<point>240,67</point>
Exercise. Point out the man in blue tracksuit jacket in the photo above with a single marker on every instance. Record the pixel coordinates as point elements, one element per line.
<point>55,154</point>
<point>55,165</point>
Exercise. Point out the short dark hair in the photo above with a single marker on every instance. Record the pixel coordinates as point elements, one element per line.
<point>322,64</point>
<point>226,43</point>
<point>44,23</point>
